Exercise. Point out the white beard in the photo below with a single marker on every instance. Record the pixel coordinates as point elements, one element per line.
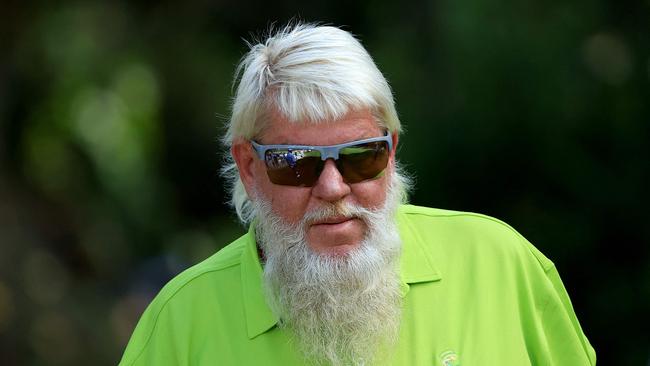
<point>341,310</point>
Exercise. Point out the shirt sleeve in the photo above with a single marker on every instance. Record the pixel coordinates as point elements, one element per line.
<point>152,342</point>
<point>556,336</point>
<point>564,339</point>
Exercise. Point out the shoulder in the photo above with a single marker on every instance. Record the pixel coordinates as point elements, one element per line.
<point>446,232</point>
<point>225,259</point>
<point>490,266</point>
<point>172,313</point>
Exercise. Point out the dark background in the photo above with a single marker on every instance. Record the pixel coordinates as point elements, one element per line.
<point>535,112</point>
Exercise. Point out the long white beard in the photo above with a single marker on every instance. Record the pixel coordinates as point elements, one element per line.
<point>341,310</point>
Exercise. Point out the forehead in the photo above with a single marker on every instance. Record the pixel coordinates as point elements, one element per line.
<point>355,125</point>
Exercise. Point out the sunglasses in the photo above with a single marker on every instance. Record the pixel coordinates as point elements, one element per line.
<point>301,165</point>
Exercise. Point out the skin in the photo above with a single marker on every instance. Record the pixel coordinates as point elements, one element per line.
<point>334,236</point>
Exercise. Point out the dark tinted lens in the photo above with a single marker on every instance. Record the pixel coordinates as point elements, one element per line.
<point>293,167</point>
<point>364,161</point>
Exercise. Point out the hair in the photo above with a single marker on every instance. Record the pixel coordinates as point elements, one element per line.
<point>309,74</point>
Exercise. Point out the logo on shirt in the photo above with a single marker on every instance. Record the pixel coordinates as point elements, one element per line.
<point>449,358</point>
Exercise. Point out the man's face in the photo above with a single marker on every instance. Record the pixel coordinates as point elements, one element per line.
<point>335,235</point>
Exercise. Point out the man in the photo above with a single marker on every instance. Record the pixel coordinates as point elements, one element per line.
<point>334,268</point>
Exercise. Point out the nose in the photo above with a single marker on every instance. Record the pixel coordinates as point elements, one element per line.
<point>330,185</point>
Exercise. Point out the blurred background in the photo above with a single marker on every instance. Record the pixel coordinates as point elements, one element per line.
<point>535,112</point>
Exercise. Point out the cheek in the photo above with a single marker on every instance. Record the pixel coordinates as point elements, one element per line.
<point>289,202</point>
<point>371,194</point>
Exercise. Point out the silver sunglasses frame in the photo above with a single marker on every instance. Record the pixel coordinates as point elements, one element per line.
<point>326,152</point>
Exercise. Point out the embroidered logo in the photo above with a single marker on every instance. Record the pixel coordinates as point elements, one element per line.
<point>449,358</point>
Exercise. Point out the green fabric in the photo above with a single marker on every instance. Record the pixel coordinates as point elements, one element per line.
<point>475,293</point>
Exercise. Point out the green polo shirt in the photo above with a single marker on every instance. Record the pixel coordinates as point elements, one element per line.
<point>475,292</point>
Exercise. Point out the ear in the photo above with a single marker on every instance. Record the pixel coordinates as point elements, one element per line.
<point>395,138</point>
<point>244,156</point>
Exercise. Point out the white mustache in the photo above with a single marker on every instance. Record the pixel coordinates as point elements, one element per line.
<point>336,210</point>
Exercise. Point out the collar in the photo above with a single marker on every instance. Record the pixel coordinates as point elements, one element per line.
<point>416,266</point>
<point>259,317</point>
